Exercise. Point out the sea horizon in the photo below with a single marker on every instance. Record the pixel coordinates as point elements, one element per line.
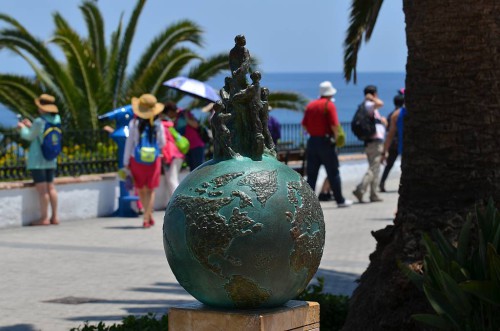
<point>348,96</point>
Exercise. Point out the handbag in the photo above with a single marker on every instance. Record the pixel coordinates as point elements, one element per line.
<point>181,142</point>
<point>340,141</point>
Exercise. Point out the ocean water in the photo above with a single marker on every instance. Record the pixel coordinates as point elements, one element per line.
<point>347,98</point>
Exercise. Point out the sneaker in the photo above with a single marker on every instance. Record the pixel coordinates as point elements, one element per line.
<point>376,199</point>
<point>358,195</point>
<point>346,203</point>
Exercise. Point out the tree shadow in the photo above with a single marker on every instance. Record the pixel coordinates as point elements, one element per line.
<point>340,283</point>
<point>142,307</point>
<point>384,219</point>
<point>125,227</point>
<point>19,327</point>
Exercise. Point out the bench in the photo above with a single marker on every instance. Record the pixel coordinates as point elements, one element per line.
<point>294,158</point>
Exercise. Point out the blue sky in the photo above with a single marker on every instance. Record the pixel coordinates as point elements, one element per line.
<point>285,35</point>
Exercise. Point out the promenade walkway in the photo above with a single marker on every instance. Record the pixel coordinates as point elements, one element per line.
<point>56,277</point>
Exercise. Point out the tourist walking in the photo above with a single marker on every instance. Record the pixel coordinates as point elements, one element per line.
<point>391,141</point>
<point>187,125</point>
<point>373,146</point>
<point>321,122</point>
<point>172,157</point>
<point>42,169</point>
<point>142,151</point>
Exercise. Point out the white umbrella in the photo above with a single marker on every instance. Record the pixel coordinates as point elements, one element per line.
<point>193,87</point>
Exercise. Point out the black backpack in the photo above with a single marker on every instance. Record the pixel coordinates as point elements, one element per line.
<point>363,123</point>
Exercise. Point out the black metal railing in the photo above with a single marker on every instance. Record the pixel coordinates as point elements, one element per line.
<point>84,152</point>
<point>91,152</point>
<point>293,137</point>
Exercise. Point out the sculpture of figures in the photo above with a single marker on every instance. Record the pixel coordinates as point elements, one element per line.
<point>222,135</point>
<point>264,117</point>
<point>239,62</point>
<point>248,118</point>
<point>226,90</point>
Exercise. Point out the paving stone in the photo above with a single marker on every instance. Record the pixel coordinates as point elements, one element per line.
<point>123,266</point>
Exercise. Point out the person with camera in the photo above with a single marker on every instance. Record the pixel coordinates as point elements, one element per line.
<point>373,146</point>
<point>42,169</point>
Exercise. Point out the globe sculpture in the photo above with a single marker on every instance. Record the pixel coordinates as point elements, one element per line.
<point>243,230</point>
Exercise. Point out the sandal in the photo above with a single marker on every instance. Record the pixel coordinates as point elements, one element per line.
<point>151,221</point>
<point>146,225</point>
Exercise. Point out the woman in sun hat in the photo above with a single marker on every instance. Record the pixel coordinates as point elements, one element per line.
<point>42,170</point>
<point>145,125</point>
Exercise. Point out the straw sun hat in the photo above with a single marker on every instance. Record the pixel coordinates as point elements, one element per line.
<point>146,106</point>
<point>46,103</point>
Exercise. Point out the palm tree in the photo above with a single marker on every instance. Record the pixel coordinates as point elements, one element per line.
<point>95,77</point>
<point>451,157</point>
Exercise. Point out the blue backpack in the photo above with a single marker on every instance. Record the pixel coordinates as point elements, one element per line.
<point>51,143</point>
<point>146,151</point>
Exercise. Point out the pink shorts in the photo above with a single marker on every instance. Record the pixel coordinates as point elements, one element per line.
<point>146,174</point>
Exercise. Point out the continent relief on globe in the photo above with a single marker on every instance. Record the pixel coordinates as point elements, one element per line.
<point>210,234</point>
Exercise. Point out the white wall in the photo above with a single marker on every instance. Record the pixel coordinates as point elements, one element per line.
<point>78,199</point>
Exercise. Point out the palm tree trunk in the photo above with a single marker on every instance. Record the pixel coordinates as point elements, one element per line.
<point>451,157</point>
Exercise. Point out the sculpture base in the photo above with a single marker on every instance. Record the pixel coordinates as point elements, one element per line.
<point>294,315</point>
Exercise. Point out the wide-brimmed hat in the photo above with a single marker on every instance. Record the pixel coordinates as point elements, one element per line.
<point>46,103</point>
<point>146,106</point>
<point>326,89</point>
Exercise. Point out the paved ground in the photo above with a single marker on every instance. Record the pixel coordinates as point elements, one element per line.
<point>55,278</point>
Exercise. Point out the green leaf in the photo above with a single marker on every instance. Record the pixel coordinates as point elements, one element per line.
<point>494,262</point>
<point>414,277</point>
<point>458,273</point>
<point>484,290</point>
<point>496,226</point>
<point>455,295</point>
<point>463,241</point>
<point>431,273</point>
<point>442,306</point>
<point>433,251</point>
<point>449,252</point>
<point>434,321</point>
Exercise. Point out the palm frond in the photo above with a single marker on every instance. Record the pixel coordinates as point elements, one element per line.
<point>210,67</point>
<point>125,47</point>
<point>81,64</point>
<point>18,92</point>
<point>168,40</point>
<point>13,22</point>
<point>111,70</point>
<point>95,28</point>
<point>287,100</point>
<point>168,66</point>
<point>21,42</point>
<point>363,17</point>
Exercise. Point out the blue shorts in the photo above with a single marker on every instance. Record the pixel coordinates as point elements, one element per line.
<point>43,175</point>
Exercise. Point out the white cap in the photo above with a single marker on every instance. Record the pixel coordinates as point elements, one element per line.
<point>326,89</point>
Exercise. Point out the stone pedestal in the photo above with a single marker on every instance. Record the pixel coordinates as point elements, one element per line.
<point>294,315</point>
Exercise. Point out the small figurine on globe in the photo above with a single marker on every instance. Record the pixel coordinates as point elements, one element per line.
<point>243,230</point>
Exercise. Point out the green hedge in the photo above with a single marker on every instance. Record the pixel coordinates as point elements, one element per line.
<point>333,312</point>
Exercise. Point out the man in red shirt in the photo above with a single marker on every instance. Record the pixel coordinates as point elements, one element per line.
<point>321,122</point>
